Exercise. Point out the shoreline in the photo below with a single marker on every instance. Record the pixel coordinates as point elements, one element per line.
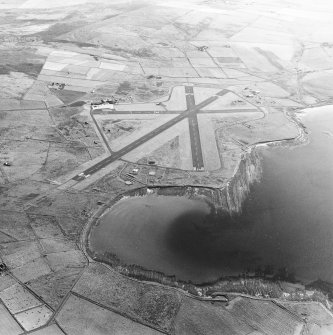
<point>225,199</point>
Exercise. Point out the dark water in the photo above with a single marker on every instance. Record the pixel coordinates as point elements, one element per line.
<point>286,222</point>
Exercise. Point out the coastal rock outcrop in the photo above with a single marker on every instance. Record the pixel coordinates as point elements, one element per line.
<point>237,189</point>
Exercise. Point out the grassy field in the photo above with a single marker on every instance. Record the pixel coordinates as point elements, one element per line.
<point>74,317</point>
<point>24,60</point>
<point>152,305</point>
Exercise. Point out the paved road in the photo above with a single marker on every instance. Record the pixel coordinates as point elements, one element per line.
<point>223,92</point>
<point>191,110</point>
<point>228,111</point>
<point>98,111</point>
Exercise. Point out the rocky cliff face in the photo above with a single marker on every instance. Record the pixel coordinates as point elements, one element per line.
<point>226,200</point>
<point>249,171</point>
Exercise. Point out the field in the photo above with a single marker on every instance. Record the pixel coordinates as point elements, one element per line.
<point>197,317</point>
<point>8,323</point>
<point>131,298</point>
<point>74,317</point>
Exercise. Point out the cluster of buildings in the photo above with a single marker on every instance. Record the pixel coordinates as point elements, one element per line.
<point>104,103</point>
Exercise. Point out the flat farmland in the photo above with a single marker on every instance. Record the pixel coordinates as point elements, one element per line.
<point>75,313</point>
<point>8,324</point>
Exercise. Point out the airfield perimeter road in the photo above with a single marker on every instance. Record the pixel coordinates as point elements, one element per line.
<point>192,109</point>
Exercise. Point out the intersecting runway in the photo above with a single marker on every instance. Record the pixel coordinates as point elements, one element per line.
<point>190,113</point>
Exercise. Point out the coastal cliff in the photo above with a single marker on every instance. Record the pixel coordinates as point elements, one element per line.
<point>228,199</point>
<point>237,189</point>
